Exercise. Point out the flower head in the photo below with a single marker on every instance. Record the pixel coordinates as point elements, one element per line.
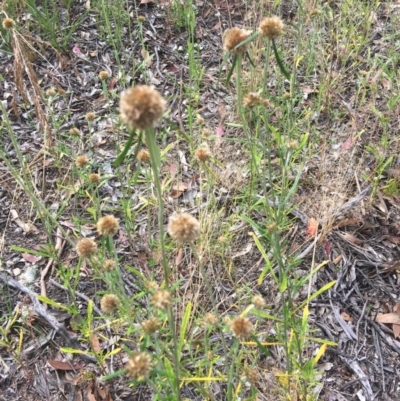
<point>108,225</point>
<point>183,227</point>
<point>143,156</point>
<point>161,299</point>
<point>151,325</point>
<point>109,265</point>
<point>258,301</point>
<point>81,161</point>
<point>104,75</point>
<point>141,107</point>
<point>241,327</point>
<point>86,247</point>
<point>94,178</point>
<point>51,92</point>
<point>139,365</point>
<point>251,100</point>
<point>8,23</point>
<point>202,154</point>
<point>90,116</point>
<point>210,319</point>
<point>233,37</point>
<point>251,375</point>
<point>109,303</point>
<point>292,144</point>
<point>74,131</point>
<point>271,27</point>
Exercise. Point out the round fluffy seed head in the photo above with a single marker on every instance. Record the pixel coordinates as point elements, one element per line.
<point>109,265</point>
<point>258,301</point>
<point>151,325</point>
<point>140,107</point>
<point>152,286</point>
<point>143,156</point>
<point>206,133</point>
<point>272,227</point>
<point>94,178</point>
<point>251,100</point>
<point>109,303</point>
<point>200,120</point>
<point>90,116</point>
<point>251,376</point>
<point>104,75</point>
<point>108,225</point>
<point>81,161</point>
<point>86,247</point>
<point>74,131</point>
<point>141,18</point>
<point>161,299</point>
<point>210,319</point>
<point>233,37</point>
<point>139,365</point>
<point>183,227</point>
<point>271,27</point>
<point>241,327</point>
<point>292,144</point>
<point>202,154</point>
<point>51,92</point>
<point>8,23</point>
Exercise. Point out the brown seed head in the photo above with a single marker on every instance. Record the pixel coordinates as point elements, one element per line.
<point>51,92</point>
<point>272,227</point>
<point>90,116</point>
<point>81,161</point>
<point>104,75</point>
<point>143,156</point>
<point>251,375</point>
<point>292,144</point>
<point>139,365</point>
<point>251,100</point>
<point>109,265</point>
<point>161,299</point>
<point>265,102</point>
<point>108,225</point>
<point>141,18</point>
<point>183,227</point>
<point>210,319</point>
<point>151,325</point>
<point>233,37</point>
<point>241,327</point>
<point>271,27</point>
<point>8,23</point>
<point>74,131</point>
<point>202,154</point>
<point>94,178</point>
<point>109,303</point>
<point>206,133</point>
<point>286,95</point>
<point>200,120</point>
<point>140,107</point>
<point>86,247</point>
<point>152,286</point>
<point>258,301</point>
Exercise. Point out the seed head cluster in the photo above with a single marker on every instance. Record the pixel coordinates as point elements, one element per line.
<point>94,178</point>
<point>143,156</point>
<point>151,325</point>
<point>161,299</point>
<point>183,227</point>
<point>251,100</point>
<point>202,154</point>
<point>139,365</point>
<point>241,327</point>
<point>86,247</point>
<point>271,27</point>
<point>233,37</point>
<point>141,106</point>
<point>103,75</point>
<point>81,161</point>
<point>108,226</point>
<point>8,23</point>
<point>109,303</point>
<point>109,265</point>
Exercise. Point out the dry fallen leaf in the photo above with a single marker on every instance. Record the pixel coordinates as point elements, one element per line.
<point>388,318</point>
<point>312,227</point>
<point>347,317</point>
<point>396,327</point>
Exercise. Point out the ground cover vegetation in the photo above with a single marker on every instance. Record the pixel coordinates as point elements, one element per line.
<point>199,200</point>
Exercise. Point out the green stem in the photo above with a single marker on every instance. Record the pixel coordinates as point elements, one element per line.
<point>127,146</point>
<point>154,151</point>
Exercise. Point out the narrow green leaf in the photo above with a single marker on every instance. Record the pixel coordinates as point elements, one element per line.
<point>279,61</point>
<point>185,322</point>
<point>50,302</point>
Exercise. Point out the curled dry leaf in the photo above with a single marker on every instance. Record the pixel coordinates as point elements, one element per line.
<point>312,227</point>
<point>389,318</point>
